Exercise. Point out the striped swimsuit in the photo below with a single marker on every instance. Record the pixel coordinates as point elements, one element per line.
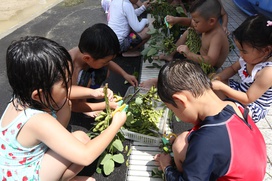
<point>260,107</point>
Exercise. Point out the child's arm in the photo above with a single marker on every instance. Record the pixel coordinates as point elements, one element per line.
<point>263,81</point>
<point>143,6</point>
<point>212,55</point>
<point>79,92</point>
<point>133,19</point>
<point>84,106</point>
<point>228,72</point>
<point>116,68</point>
<point>184,21</point>
<point>65,144</point>
<point>64,114</point>
<point>224,16</point>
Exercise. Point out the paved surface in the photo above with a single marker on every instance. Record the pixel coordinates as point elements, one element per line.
<point>65,24</point>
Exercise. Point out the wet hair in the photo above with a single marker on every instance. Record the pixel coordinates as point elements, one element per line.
<point>254,32</point>
<point>36,63</point>
<point>181,75</point>
<point>99,41</point>
<point>206,8</point>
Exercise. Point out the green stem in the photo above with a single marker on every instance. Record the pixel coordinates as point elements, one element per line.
<point>108,110</point>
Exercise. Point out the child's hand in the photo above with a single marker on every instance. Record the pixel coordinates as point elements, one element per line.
<point>183,49</point>
<point>226,30</point>
<point>146,4</point>
<point>171,19</point>
<point>163,160</point>
<point>131,79</point>
<point>113,104</point>
<point>99,94</point>
<point>216,84</point>
<point>119,119</point>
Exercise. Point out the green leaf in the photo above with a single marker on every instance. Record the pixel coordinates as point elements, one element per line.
<point>152,51</point>
<point>108,167</point>
<point>127,162</point>
<point>130,119</point>
<point>119,158</point>
<point>152,31</point>
<point>145,51</point>
<point>106,158</point>
<point>129,152</point>
<point>180,10</point>
<point>156,65</point>
<point>118,145</point>
<point>138,101</point>
<point>98,170</point>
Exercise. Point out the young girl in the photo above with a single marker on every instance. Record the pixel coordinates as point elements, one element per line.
<point>35,144</point>
<point>253,38</point>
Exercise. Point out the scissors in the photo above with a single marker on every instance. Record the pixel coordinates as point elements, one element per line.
<point>124,104</point>
<point>129,98</point>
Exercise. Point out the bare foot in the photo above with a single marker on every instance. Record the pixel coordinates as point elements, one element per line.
<point>149,83</point>
<point>131,54</point>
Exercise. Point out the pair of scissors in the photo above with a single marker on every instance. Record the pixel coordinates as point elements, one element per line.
<point>129,98</point>
<point>124,103</point>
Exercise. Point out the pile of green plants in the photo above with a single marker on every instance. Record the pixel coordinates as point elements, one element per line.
<point>163,38</point>
<point>142,116</point>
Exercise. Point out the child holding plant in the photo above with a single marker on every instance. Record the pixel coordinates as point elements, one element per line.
<point>214,42</point>
<point>212,150</point>
<point>254,40</point>
<point>35,145</point>
<point>92,60</point>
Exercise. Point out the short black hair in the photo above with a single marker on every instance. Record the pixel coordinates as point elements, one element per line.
<point>206,8</point>
<point>99,41</point>
<point>180,75</point>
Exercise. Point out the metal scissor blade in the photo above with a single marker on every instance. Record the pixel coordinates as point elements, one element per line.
<point>128,99</point>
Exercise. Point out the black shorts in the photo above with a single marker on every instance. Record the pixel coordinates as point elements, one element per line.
<point>131,41</point>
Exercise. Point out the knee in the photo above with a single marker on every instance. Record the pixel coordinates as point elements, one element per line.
<point>81,136</point>
<point>180,142</point>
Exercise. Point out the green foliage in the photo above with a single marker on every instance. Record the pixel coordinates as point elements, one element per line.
<point>142,114</point>
<point>193,41</point>
<point>162,38</point>
<point>106,162</point>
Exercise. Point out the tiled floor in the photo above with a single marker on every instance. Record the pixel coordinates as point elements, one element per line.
<point>236,17</point>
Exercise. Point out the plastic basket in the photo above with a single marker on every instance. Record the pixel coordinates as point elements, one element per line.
<point>145,138</point>
<point>151,140</point>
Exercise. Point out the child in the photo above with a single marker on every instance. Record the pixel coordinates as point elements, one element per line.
<point>34,145</point>
<point>254,40</point>
<point>122,18</point>
<point>214,42</point>
<point>212,150</point>
<point>92,60</point>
